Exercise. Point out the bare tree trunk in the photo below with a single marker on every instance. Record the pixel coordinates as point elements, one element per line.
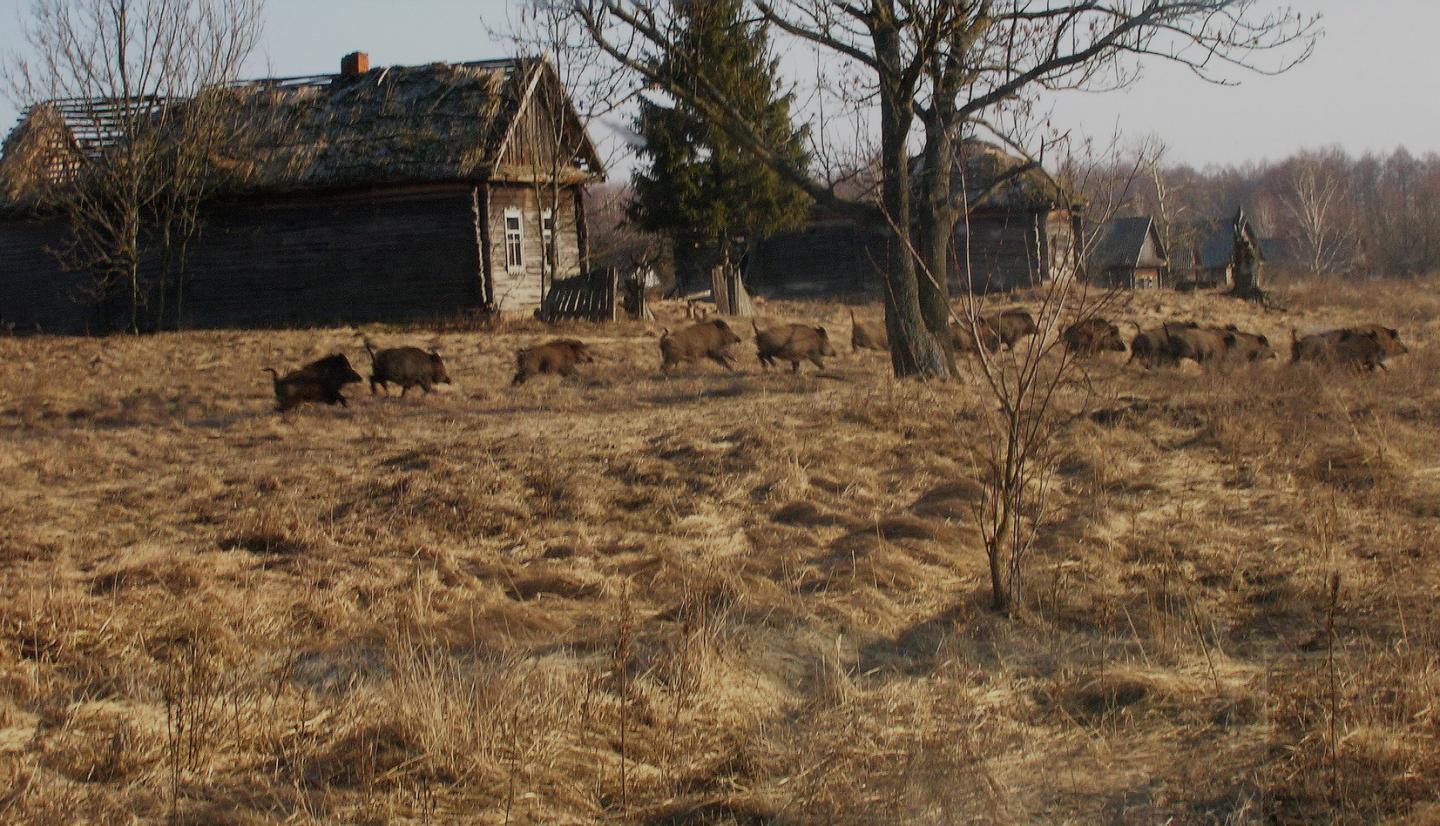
<point>914,350</point>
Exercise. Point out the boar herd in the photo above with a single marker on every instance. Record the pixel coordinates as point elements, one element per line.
<point>1366,346</point>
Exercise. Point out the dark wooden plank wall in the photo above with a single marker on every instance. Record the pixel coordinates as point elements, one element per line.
<point>1003,252</point>
<point>36,294</point>
<point>822,259</point>
<point>335,259</point>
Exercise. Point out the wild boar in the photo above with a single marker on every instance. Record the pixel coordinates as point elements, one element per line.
<point>1199,344</point>
<point>963,338</point>
<point>406,366</point>
<point>1156,347</point>
<point>868,335</point>
<point>558,356</point>
<point>1011,326</point>
<point>319,381</point>
<point>708,339</point>
<point>1368,346</point>
<point>793,343</point>
<point>1241,346</point>
<point>1092,335</point>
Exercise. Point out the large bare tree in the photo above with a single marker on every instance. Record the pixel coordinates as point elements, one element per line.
<point>126,78</point>
<point>934,69</point>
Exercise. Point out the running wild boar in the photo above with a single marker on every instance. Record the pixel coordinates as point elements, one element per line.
<point>708,339</point>
<point>1093,335</point>
<point>1367,346</point>
<point>559,356</point>
<point>793,343</point>
<point>319,381</point>
<point>406,366</point>
<point>868,335</point>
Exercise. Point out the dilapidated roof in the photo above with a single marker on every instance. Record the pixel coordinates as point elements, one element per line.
<point>434,123</point>
<point>1121,241</point>
<point>993,179</point>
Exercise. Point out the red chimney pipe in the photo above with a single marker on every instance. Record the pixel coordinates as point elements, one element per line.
<point>355,63</point>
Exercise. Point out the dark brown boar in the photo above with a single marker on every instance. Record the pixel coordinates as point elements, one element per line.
<point>868,335</point>
<point>558,356</point>
<point>793,343</point>
<point>1011,326</point>
<point>319,381</point>
<point>963,338</point>
<point>1241,346</point>
<point>1092,335</point>
<point>708,339</point>
<point>1199,344</point>
<point>1367,346</point>
<point>406,366</point>
<point>1155,347</point>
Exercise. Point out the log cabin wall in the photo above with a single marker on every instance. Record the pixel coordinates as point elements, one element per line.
<point>1010,250</point>
<point>1003,252</point>
<point>36,293</point>
<point>519,290</point>
<point>825,258</point>
<point>328,259</point>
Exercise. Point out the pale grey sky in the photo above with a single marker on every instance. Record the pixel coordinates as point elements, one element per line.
<point>1370,86</point>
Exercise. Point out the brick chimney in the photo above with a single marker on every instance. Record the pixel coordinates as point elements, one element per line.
<point>355,63</point>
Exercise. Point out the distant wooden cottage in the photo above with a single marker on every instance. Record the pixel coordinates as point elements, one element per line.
<point>1216,256</point>
<point>369,195</point>
<point>1127,253</point>
<point>1022,229</point>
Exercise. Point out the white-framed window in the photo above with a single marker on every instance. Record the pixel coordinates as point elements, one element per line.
<point>514,240</point>
<point>547,234</point>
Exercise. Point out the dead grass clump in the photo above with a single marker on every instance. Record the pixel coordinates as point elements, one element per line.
<point>100,748</point>
<point>560,583</point>
<point>371,754</point>
<point>175,578</point>
<point>1093,699</point>
<point>1351,468</point>
<point>953,501</point>
<point>809,515</point>
<point>1364,751</point>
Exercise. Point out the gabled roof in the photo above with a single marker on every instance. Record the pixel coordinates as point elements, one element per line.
<point>406,124</point>
<point>1120,241</point>
<point>396,125</point>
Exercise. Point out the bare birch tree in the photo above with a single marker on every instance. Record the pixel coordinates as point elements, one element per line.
<point>1317,201</point>
<point>126,77</point>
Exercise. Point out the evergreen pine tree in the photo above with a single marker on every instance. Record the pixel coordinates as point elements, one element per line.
<point>695,185</point>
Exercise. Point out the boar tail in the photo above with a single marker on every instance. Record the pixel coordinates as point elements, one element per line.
<point>370,348</point>
<point>664,333</point>
<point>274,375</point>
<point>755,327</point>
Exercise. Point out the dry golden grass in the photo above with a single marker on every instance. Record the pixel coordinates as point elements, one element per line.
<point>713,598</point>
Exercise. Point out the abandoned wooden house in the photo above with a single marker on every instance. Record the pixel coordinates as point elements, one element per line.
<point>374,194</point>
<point>1215,257</point>
<point>1022,229</point>
<point>1127,253</point>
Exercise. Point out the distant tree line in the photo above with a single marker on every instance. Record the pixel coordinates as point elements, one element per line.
<point>1321,210</point>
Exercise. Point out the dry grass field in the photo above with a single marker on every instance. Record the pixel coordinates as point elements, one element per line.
<point>714,598</point>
